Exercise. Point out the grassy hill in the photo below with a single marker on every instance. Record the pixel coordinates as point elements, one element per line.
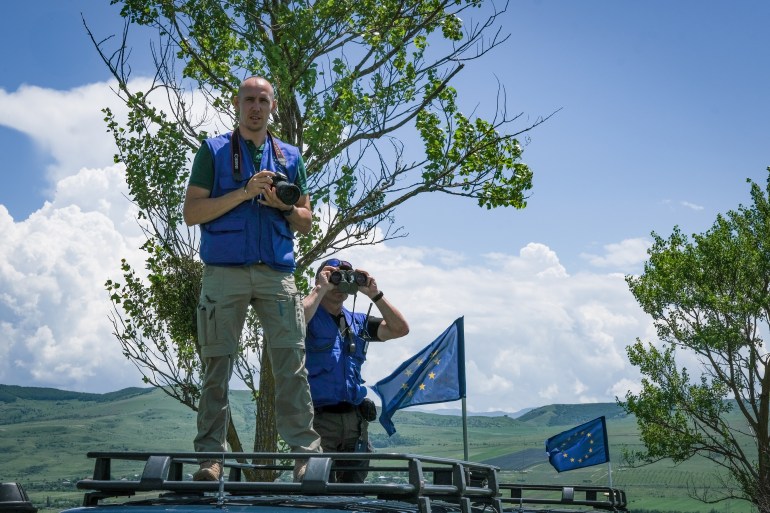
<point>571,414</point>
<point>45,434</point>
<point>12,393</point>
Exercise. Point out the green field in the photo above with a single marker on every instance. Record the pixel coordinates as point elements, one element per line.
<point>45,434</point>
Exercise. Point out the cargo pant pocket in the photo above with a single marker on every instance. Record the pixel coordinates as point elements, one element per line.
<point>207,327</point>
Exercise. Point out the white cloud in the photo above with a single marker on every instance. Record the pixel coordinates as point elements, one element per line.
<point>53,265</point>
<point>67,125</point>
<point>626,254</point>
<point>550,393</point>
<point>692,206</point>
<point>53,303</point>
<point>533,333</point>
<point>622,387</point>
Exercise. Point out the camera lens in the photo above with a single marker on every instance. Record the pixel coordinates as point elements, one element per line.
<point>287,192</point>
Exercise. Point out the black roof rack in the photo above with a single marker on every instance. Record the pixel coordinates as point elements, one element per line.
<point>402,477</point>
<point>598,497</point>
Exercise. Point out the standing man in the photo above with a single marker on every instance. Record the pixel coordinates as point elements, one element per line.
<point>247,244</point>
<point>336,343</point>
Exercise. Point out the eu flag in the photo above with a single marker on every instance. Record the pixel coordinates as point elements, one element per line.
<point>582,446</point>
<point>434,375</point>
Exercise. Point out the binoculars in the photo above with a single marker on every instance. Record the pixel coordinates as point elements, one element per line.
<point>348,281</point>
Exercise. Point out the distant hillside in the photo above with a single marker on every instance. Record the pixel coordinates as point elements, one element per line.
<point>12,393</point>
<point>571,414</point>
<point>458,412</point>
<point>418,418</point>
<point>552,415</point>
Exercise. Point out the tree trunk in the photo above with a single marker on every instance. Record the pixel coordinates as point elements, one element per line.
<point>266,433</point>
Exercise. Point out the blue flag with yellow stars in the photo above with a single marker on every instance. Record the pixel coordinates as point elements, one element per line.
<point>434,375</point>
<point>582,446</point>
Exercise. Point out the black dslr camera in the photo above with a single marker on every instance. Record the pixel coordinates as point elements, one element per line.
<point>348,281</point>
<point>286,191</point>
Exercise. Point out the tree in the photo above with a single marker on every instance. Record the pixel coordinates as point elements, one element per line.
<point>352,79</point>
<point>709,297</point>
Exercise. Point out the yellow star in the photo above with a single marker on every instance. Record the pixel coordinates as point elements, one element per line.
<point>422,386</point>
<point>432,375</point>
<point>588,435</point>
<point>419,362</point>
<point>437,361</point>
<point>565,455</point>
<point>409,372</point>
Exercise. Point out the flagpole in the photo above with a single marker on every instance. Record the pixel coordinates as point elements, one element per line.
<point>609,471</point>
<point>465,431</point>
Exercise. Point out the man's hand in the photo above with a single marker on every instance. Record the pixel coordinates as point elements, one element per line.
<point>299,217</point>
<point>370,289</point>
<point>261,186</point>
<point>312,301</point>
<point>393,324</point>
<point>322,281</point>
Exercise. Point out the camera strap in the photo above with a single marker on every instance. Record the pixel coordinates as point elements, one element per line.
<point>235,154</point>
<point>237,161</point>
<point>368,336</point>
<point>279,156</point>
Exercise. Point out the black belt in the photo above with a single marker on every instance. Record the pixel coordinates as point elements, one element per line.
<point>336,408</point>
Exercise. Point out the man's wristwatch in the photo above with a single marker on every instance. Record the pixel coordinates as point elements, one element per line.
<point>287,213</point>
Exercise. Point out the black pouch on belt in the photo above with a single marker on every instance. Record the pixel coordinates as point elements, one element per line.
<point>368,409</point>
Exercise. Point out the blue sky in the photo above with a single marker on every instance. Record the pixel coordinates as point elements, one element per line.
<point>663,114</point>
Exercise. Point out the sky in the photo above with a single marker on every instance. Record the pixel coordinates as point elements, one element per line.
<point>661,114</point>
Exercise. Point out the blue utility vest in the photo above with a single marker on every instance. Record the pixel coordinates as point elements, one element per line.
<point>250,233</point>
<point>334,372</point>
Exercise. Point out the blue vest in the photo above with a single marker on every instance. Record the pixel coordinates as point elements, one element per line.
<point>250,233</point>
<point>334,372</point>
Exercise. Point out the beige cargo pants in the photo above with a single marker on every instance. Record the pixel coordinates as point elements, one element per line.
<point>226,294</point>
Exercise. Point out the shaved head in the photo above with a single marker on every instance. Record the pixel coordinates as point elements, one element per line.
<point>256,81</point>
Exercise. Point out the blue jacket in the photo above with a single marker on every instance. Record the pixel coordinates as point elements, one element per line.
<point>250,233</point>
<point>334,372</point>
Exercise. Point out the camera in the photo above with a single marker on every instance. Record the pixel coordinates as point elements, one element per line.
<point>348,281</point>
<point>286,191</point>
